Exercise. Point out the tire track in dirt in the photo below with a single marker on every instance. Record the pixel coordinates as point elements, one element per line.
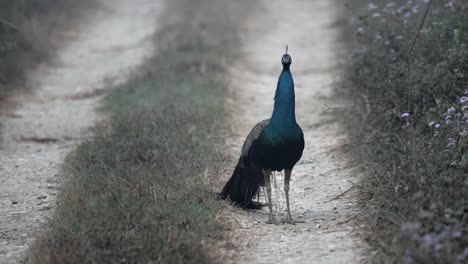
<point>46,126</point>
<point>322,174</point>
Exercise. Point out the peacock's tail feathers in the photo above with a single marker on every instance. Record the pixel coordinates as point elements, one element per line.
<point>246,179</point>
<point>253,135</point>
<point>243,186</point>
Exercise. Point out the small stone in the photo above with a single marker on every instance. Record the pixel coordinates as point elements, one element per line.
<point>23,236</point>
<point>318,226</point>
<point>14,202</point>
<point>42,197</point>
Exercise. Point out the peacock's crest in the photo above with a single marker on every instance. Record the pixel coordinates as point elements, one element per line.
<point>286,59</point>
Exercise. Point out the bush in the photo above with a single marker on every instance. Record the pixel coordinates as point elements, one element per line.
<point>408,127</point>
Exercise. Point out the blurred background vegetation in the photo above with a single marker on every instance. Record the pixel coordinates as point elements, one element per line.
<point>27,31</point>
<point>408,127</point>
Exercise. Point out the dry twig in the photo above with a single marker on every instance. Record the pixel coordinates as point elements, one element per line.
<point>8,24</point>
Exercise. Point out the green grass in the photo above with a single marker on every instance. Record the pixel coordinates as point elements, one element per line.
<point>413,194</point>
<point>139,190</point>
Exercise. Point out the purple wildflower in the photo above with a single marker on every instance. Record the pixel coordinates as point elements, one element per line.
<point>466,92</point>
<point>465,107</point>
<point>426,215</point>
<point>457,234</point>
<point>405,115</point>
<point>376,15</point>
<point>463,255</point>
<point>448,120</point>
<point>452,144</point>
<point>463,100</point>
<point>437,126</point>
<point>431,124</point>
<point>428,240</point>
<point>451,110</point>
<point>371,6</point>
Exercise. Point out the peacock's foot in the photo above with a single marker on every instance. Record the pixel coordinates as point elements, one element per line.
<point>272,220</point>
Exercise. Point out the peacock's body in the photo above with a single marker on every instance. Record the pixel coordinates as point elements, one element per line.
<point>274,144</point>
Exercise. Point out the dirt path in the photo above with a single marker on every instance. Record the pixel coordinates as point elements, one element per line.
<point>46,126</point>
<point>326,236</point>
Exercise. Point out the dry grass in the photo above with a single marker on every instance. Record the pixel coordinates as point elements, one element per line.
<point>140,190</point>
<point>414,196</point>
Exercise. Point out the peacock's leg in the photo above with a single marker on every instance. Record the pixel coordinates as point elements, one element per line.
<point>267,174</point>
<point>287,178</point>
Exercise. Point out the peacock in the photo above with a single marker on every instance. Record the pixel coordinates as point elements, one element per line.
<point>273,144</point>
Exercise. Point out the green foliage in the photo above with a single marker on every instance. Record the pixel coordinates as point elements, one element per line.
<point>138,191</point>
<point>412,177</point>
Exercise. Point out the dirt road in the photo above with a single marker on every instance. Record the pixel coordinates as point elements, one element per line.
<point>322,174</point>
<point>37,135</point>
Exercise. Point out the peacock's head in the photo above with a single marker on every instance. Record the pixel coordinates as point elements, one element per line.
<point>286,59</point>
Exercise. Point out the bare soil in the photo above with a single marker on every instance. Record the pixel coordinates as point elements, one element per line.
<point>39,133</point>
<point>326,236</point>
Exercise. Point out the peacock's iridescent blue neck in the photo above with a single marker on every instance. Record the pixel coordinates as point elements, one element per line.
<point>284,114</point>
